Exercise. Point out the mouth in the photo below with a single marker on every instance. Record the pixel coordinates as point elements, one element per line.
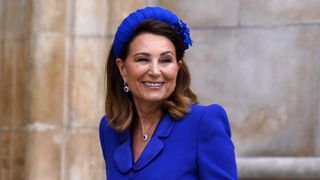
<point>153,84</point>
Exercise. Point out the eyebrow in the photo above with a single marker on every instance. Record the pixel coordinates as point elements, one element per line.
<point>147,54</point>
<point>141,53</point>
<point>166,52</point>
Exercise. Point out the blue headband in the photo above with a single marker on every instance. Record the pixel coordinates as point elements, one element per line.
<point>129,24</point>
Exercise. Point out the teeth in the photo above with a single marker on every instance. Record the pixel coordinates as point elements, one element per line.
<point>153,84</point>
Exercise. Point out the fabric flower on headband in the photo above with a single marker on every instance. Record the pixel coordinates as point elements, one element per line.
<point>129,24</point>
<point>183,31</point>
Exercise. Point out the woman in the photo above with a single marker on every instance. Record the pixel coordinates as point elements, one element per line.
<point>153,127</point>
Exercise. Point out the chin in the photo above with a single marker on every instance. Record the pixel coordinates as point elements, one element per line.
<point>155,99</point>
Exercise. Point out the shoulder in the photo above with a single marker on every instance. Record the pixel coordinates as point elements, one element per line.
<point>213,108</point>
<point>215,150</point>
<point>105,129</point>
<point>109,137</point>
<point>212,116</point>
<point>103,126</point>
<point>103,122</point>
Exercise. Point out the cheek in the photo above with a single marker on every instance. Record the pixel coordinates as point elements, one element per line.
<point>172,76</point>
<point>133,72</point>
<point>175,73</point>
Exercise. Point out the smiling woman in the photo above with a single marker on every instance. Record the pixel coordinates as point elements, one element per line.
<point>151,38</point>
<point>153,128</point>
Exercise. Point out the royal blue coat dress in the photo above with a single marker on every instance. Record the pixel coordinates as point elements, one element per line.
<point>197,146</point>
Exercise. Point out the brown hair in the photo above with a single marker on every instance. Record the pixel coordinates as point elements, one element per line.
<point>119,105</point>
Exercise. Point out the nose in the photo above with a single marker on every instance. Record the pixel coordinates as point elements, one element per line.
<point>154,69</point>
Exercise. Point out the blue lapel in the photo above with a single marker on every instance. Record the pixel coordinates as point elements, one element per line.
<point>123,156</point>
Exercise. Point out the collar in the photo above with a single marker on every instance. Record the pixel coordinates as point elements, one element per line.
<point>123,155</point>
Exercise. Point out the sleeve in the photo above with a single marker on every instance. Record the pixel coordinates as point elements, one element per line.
<point>102,132</point>
<point>215,150</point>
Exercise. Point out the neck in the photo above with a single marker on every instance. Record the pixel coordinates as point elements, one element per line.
<point>149,115</point>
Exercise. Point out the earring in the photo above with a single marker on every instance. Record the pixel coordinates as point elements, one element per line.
<point>125,88</point>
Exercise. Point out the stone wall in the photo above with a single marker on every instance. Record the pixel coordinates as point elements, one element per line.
<point>259,59</point>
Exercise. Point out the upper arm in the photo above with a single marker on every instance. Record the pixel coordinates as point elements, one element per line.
<point>215,150</point>
<point>102,133</point>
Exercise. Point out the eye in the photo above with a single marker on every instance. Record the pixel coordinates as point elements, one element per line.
<point>142,60</point>
<point>165,60</point>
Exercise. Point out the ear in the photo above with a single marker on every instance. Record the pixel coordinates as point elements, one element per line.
<point>179,63</point>
<point>122,69</point>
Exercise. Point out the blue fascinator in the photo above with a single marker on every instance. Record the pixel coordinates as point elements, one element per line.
<point>129,24</point>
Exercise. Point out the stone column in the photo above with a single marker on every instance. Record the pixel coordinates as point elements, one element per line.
<point>87,53</point>
<point>47,85</point>
<point>15,17</point>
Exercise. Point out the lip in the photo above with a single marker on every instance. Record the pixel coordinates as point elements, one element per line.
<point>153,84</point>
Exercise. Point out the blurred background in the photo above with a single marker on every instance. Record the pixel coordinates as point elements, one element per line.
<point>259,59</point>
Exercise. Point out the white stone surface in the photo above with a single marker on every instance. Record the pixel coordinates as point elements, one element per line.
<point>317,125</point>
<point>279,167</point>
<point>17,19</point>
<point>204,13</point>
<point>87,79</point>
<point>46,82</point>
<point>91,17</point>
<point>275,12</point>
<point>267,80</point>
<point>2,19</point>
<point>49,16</point>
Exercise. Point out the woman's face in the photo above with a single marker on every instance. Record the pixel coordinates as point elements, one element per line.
<point>150,68</point>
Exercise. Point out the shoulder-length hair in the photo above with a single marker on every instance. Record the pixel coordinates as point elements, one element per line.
<point>119,105</point>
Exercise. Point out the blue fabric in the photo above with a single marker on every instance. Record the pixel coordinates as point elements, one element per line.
<point>129,24</point>
<point>198,146</point>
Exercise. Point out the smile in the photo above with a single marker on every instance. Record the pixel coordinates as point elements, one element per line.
<point>153,84</point>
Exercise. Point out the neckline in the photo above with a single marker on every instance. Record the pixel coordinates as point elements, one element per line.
<point>152,136</point>
<point>123,155</point>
